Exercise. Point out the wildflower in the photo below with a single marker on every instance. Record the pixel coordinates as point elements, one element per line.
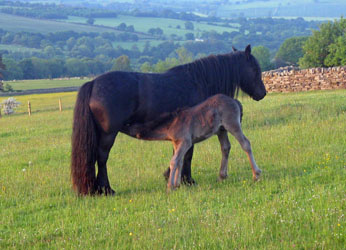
<point>23,169</point>
<point>113,209</point>
<point>130,201</point>
<point>130,233</point>
<point>339,225</point>
<point>304,171</point>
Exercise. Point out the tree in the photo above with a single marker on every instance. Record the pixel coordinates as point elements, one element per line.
<point>190,36</point>
<point>122,26</point>
<point>122,63</point>
<point>27,68</point>
<point>146,68</point>
<point>189,25</point>
<point>184,56</point>
<point>13,70</point>
<point>2,67</point>
<point>291,50</point>
<point>318,46</point>
<point>337,52</point>
<point>130,28</point>
<point>262,54</point>
<point>90,21</point>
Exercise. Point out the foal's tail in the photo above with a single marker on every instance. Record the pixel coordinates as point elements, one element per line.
<point>240,108</point>
<point>84,144</point>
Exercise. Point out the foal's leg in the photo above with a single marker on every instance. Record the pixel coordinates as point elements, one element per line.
<point>105,144</point>
<point>235,130</point>
<point>245,144</point>
<point>186,172</point>
<point>225,148</point>
<point>176,164</point>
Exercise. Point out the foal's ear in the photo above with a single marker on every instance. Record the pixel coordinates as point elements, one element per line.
<point>234,49</point>
<point>248,51</point>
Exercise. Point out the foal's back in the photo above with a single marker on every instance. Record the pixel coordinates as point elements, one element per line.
<point>205,119</point>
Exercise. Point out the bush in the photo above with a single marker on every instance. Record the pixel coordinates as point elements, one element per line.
<point>9,105</point>
<point>7,88</point>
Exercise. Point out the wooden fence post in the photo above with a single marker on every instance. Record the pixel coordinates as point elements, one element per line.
<point>29,108</point>
<point>60,105</point>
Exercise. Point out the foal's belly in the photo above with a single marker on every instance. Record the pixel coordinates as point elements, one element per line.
<point>203,135</point>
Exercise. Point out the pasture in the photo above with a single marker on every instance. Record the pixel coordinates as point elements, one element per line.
<point>298,141</point>
<point>169,26</point>
<point>46,83</point>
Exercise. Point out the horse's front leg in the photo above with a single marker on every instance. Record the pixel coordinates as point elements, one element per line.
<point>102,183</point>
<point>186,171</point>
<point>225,148</point>
<point>176,164</point>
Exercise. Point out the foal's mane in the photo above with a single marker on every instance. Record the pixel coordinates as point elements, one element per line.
<point>214,74</point>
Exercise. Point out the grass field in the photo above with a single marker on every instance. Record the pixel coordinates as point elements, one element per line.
<point>18,24</point>
<point>298,141</point>
<point>46,83</point>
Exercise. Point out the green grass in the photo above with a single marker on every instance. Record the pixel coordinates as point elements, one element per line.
<point>46,83</point>
<point>298,141</point>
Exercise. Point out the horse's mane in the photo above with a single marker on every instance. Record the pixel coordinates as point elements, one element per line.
<point>213,74</point>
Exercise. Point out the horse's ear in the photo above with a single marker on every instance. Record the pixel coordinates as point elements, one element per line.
<point>234,49</point>
<point>248,51</point>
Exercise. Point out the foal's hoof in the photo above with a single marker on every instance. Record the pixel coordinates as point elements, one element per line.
<point>257,175</point>
<point>184,179</point>
<point>222,177</point>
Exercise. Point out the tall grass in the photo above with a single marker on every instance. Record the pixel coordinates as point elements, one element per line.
<point>298,141</point>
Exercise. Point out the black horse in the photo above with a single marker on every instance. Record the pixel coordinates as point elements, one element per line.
<point>114,101</point>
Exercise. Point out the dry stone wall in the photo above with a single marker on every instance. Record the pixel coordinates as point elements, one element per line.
<point>291,79</point>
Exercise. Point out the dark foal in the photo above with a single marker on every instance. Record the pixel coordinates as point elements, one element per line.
<point>218,114</point>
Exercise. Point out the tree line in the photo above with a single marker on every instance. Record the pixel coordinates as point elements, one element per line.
<point>71,53</point>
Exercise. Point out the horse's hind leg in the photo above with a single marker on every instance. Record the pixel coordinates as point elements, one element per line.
<point>105,144</point>
<point>236,131</point>
<point>225,148</point>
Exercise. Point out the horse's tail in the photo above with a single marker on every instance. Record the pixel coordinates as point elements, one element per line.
<point>240,108</point>
<point>84,143</point>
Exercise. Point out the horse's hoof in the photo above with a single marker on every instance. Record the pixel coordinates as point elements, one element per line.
<point>109,191</point>
<point>100,190</point>
<point>188,181</point>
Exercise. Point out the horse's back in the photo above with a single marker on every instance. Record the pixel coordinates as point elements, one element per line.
<point>114,98</point>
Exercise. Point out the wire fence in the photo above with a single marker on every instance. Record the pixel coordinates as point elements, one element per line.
<point>31,104</point>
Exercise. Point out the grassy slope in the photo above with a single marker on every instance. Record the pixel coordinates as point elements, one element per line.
<point>46,83</point>
<point>298,140</point>
<point>143,24</point>
<point>19,24</point>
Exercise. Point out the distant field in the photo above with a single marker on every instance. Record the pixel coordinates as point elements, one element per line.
<point>143,24</point>
<point>277,8</point>
<point>18,24</point>
<point>46,83</point>
<point>298,140</point>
